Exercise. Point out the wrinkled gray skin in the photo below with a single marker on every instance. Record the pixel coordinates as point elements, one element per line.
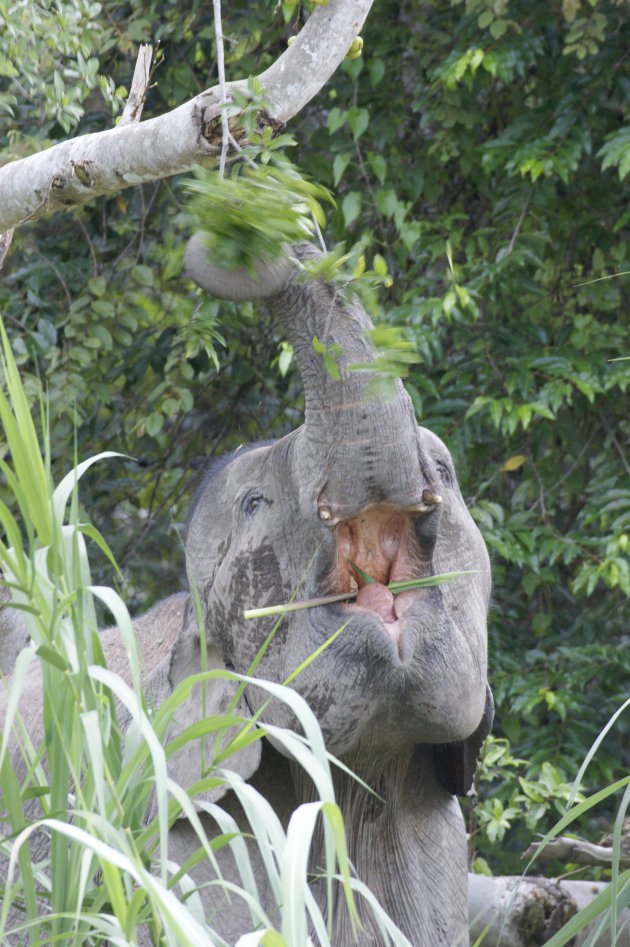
<point>13,632</point>
<point>401,694</point>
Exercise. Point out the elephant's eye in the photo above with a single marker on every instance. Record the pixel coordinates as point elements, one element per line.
<point>251,503</point>
<point>445,473</point>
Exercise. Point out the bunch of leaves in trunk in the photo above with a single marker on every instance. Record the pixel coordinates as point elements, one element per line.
<point>256,212</point>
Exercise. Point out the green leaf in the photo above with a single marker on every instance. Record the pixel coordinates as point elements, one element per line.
<point>376,69</point>
<point>380,265</point>
<point>336,119</point>
<point>256,212</point>
<point>358,120</point>
<point>351,207</point>
<point>339,166</point>
<point>498,28</point>
<point>154,423</point>
<point>387,202</point>
<point>143,275</point>
<point>331,366</point>
<point>272,938</point>
<point>48,654</point>
<point>378,165</point>
<point>368,580</point>
<point>513,463</point>
<point>285,359</point>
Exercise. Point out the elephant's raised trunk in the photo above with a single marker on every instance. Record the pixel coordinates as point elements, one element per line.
<point>358,448</point>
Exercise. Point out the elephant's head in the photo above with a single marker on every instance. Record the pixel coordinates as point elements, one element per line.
<point>359,488</point>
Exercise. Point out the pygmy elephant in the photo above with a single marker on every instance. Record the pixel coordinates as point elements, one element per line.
<point>359,492</point>
<point>401,694</point>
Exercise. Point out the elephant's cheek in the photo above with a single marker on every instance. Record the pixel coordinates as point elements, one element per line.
<point>247,581</point>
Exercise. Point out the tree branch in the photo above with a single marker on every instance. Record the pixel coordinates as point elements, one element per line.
<point>132,111</point>
<point>579,852</point>
<point>77,171</point>
<point>5,242</point>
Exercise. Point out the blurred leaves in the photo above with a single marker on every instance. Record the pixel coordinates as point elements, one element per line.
<point>513,792</point>
<point>49,64</point>
<point>256,212</point>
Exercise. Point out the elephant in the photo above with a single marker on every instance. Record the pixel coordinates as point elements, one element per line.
<point>13,632</point>
<point>358,497</point>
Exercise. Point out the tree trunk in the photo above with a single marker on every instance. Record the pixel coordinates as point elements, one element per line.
<point>525,912</point>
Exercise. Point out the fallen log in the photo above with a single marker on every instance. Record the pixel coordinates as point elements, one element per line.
<point>512,911</point>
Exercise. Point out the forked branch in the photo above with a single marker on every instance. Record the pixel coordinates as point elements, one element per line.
<point>81,169</point>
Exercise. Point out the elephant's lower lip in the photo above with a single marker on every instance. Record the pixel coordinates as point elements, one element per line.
<point>393,629</point>
<point>386,614</point>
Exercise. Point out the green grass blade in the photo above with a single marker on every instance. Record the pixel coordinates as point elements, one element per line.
<point>593,750</point>
<point>294,871</point>
<point>297,606</point>
<point>428,581</point>
<point>391,934</point>
<point>21,437</point>
<point>238,847</point>
<point>576,812</point>
<point>67,485</point>
<point>405,585</point>
<point>363,575</point>
<point>315,654</point>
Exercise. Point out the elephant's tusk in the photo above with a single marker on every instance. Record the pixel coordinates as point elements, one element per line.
<point>430,498</point>
<point>429,502</point>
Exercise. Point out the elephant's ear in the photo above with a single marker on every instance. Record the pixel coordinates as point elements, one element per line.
<point>455,763</point>
<point>185,766</point>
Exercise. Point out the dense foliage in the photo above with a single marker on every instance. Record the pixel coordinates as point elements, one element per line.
<point>482,149</point>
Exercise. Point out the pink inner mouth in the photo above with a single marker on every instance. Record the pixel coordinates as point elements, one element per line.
<point>373,549</point>
<point>378,599</point>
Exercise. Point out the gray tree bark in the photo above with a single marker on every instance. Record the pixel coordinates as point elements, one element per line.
<point>81,169</point>
<point>511,911</point>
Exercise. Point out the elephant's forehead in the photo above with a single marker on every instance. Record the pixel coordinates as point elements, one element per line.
<point>434,445</point>
<point>249,466</point>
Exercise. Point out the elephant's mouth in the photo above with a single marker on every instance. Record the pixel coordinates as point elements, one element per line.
<point>378,547</point>
<point>377,599</point>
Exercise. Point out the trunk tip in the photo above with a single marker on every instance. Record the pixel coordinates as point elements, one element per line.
<point>269,277</point>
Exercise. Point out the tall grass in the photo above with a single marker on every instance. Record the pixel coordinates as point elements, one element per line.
<point>603,911</point>
<point>105,799</point>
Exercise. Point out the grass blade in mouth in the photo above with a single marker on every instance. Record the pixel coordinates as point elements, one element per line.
<point>297,606</point>
<point>367,579</point>
<point>406,585</point>
<point>395,587</point>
